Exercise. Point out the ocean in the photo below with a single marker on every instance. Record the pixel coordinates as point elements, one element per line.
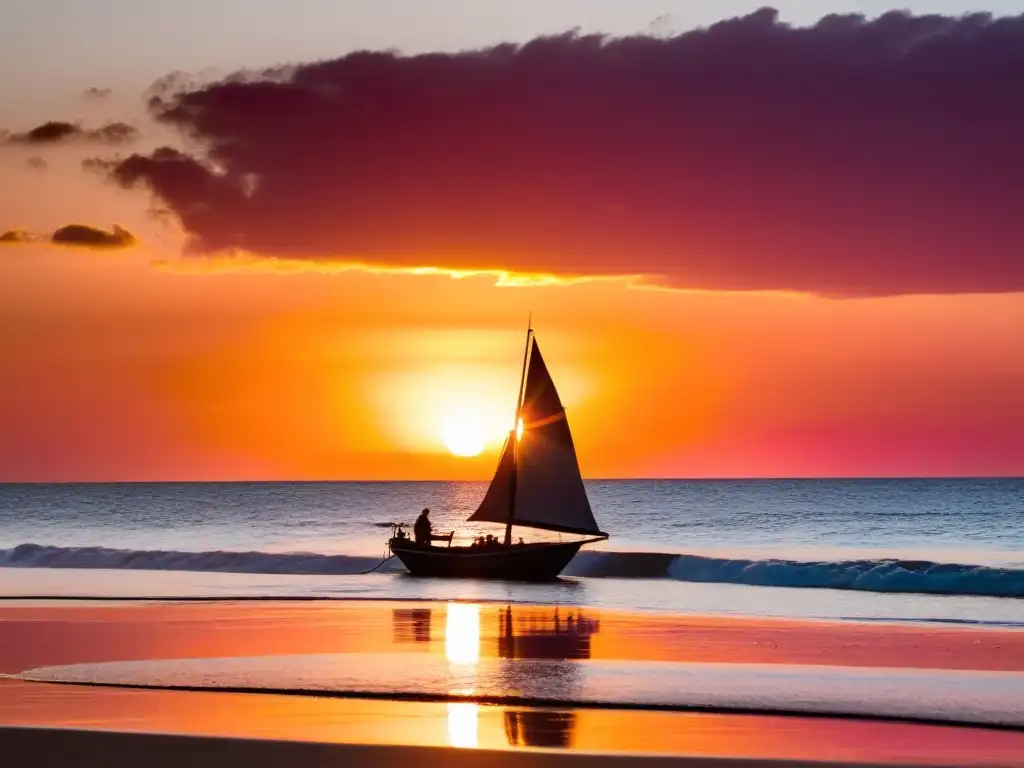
<point>948,551</point>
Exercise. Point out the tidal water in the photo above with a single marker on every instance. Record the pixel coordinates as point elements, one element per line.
<point>923,550</point>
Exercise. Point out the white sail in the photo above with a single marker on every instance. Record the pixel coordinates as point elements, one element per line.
<point>541,472</point>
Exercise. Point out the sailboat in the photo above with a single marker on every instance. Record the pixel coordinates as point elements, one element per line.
<point>537,485</point>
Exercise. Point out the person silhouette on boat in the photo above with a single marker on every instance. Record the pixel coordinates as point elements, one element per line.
<point>422,528</point>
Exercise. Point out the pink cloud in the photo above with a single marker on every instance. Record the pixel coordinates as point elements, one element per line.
<point>853,157</point>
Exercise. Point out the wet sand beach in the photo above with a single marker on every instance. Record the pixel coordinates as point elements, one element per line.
<point>491,648</point>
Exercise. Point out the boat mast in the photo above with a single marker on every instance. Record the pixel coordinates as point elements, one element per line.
<point>515,436</point>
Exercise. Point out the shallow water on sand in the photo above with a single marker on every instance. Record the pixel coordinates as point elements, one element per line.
<point>543,670</point>
<point>952,696</point>
<point>653,595</point>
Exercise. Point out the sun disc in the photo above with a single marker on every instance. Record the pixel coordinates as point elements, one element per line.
<point>462,435</point>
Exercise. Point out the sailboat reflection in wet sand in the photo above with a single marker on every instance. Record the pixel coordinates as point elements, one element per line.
<point>411,625</point>
<point>535,635</point>
<point>537,485</point>
<point>519,633</point>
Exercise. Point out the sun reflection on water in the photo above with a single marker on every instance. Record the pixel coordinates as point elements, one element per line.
<point>462,634</point>
<point>462,649</point>
<point>463,725</point>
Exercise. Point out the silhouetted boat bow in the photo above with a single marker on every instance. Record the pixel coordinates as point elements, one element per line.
<point>537,485</point>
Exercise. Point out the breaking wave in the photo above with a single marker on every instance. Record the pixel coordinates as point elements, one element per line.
<point>296,563</point>
<point>883,575</point>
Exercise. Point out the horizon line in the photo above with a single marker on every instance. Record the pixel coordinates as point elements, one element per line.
<point>723,479</point>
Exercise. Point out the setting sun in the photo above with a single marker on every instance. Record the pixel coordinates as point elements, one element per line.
<point>462,434</point>
<point>453,371</point>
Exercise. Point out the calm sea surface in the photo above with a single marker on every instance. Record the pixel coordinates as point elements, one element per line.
<point>950,550</point>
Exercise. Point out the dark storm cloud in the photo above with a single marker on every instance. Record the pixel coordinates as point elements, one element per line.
<point>86,236</point>
<point>56,131</point>
<point>853,157</point>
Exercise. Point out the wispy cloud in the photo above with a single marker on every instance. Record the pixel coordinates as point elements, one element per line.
<point>56,131</point>
<point>74,235</point>
<point>85,236</point>
<point>16,237</point>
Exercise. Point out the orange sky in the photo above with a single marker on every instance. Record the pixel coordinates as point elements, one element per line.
<point>143,363</point>
<point>118,369</point>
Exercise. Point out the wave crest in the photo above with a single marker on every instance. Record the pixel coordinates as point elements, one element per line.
<point>884,575</point>
<point>296,563</point>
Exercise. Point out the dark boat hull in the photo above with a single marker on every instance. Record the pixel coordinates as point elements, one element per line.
<point>520,562</point>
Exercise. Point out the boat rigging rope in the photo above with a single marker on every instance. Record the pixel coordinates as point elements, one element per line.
<point>388,554</point>
<point>378,565</point>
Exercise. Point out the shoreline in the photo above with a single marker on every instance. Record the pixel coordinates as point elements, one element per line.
<point>662,596</point>
<point>79,602</point>
<point>758,739</point>
<point>537,703</point>
<point>518,601</point>
<point>137,723</point>
<point>480,639</point>
<point>114,749</point>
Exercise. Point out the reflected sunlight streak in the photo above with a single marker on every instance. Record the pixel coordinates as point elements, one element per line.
<point>463,725</point>
<point>462,633</point>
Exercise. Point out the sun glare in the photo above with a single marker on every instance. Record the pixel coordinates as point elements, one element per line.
<point>463,725</point>
<point>442,391</point>
<point>462,633</point>
<point>462,434</point>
